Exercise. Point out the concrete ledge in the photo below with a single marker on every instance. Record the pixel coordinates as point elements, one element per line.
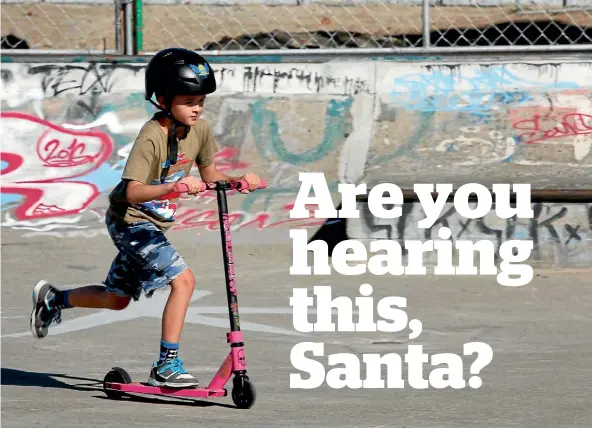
<point>561,229</point>
<point>536,195</point>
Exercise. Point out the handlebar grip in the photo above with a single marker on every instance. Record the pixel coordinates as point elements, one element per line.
<point>244,184</point>
<point>182,187</point>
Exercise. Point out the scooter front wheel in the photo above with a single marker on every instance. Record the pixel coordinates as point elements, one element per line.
<point>243,392</point>
<point>116,375</point>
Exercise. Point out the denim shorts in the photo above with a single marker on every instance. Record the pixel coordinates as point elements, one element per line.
<point>146,260</point>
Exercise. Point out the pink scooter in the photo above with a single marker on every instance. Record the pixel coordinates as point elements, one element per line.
<point>117,382</point>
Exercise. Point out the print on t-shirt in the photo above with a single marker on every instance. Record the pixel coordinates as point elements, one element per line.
<point>166,207</point>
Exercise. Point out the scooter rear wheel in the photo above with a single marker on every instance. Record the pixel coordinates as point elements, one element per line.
<point>243,392</point>
<point>116,375</point>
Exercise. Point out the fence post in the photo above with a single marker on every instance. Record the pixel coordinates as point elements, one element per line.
<point>118,47</point>
<point>128,34</point>
<point>426,23</point>
<point>139,27</point>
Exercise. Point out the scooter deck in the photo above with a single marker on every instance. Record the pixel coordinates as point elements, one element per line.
<point>137,387</point>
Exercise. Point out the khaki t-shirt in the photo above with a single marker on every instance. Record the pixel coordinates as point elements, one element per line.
<point>146,160</point>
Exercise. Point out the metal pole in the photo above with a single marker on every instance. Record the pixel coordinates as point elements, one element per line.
<point>139,27</point>
<point>118,47</point>
<point>426,23</point>
<point>129,27</point>
<point>568,195</point>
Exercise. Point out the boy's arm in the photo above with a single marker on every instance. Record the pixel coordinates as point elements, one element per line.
<point>138,192</point>
<point>212,174</point>
<point>140,163</point>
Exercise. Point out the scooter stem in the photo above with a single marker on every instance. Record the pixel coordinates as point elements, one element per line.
<point>234,337</point>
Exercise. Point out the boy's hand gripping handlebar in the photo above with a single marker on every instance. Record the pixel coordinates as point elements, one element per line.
<point>238,185</point>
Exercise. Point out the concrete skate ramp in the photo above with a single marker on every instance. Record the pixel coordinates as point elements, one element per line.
<point>68,128</point>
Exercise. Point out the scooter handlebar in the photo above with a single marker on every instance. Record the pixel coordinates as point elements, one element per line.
<point>238,185</point>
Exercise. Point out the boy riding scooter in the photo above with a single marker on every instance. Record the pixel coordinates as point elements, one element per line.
<point>142,208</point>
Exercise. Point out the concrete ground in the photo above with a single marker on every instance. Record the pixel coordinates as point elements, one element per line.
<point>539,375</point>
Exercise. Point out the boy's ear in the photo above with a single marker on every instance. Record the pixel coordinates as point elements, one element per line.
<point>160,100</point>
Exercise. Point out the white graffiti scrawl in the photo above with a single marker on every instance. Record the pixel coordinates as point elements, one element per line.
<point>39,159</point>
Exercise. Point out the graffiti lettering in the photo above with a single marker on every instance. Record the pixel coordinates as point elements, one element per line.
<point>573,233</point>
<point>270,145</point>
<point>38,165</point>
<point>223,72</point>
<point>553,224</point>
<point>474,137</point>
<point>81,79</point>
<point>228,253</point>
<point>570,124</point>
<point>314,81</point>
<point>480,91</point>
<point>477,146</point>
<point>54,154</point>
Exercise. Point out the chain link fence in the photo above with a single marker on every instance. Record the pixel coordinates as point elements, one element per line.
<point>239,25</point>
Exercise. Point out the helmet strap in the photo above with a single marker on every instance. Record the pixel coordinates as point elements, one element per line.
<point>173,144</point>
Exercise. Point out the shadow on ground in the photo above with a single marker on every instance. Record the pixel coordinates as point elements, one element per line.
<point>17,377</point>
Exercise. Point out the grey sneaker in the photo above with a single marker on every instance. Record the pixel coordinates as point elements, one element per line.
<point>43,314</point>
<point>171,373</point>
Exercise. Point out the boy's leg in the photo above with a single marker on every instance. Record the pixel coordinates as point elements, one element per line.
<point>171,270</point>
<point>121,285</point>
<point>154,263</point>
<point>49,301</point>
<point>168,371</point>
<point>173,317</point>
<point>146,262</point>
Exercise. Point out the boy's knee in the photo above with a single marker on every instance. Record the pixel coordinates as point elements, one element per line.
<point>119,302</point>
<point>185,281</point>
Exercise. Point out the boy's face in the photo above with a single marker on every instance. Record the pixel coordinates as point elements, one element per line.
<point>188,108</point>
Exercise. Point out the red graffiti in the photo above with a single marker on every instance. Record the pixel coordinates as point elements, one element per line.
<point>569,125</point>
<point>56,153</point>
<point>547,113</point>
<point>41,156</point>
<point>13,160</point>
<point>225,159</point>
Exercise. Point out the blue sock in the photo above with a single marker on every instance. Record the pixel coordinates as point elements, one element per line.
<point>60,300</point>
<point>168,351</point>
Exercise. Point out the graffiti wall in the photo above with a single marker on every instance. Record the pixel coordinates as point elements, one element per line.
<point>477,115</point>
<point>68,128</point>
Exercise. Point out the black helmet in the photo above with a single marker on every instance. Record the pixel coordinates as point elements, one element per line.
<point>177,71</point>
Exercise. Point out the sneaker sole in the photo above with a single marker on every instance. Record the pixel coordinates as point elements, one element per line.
<point>169,386</point>
<point>35,299</point>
